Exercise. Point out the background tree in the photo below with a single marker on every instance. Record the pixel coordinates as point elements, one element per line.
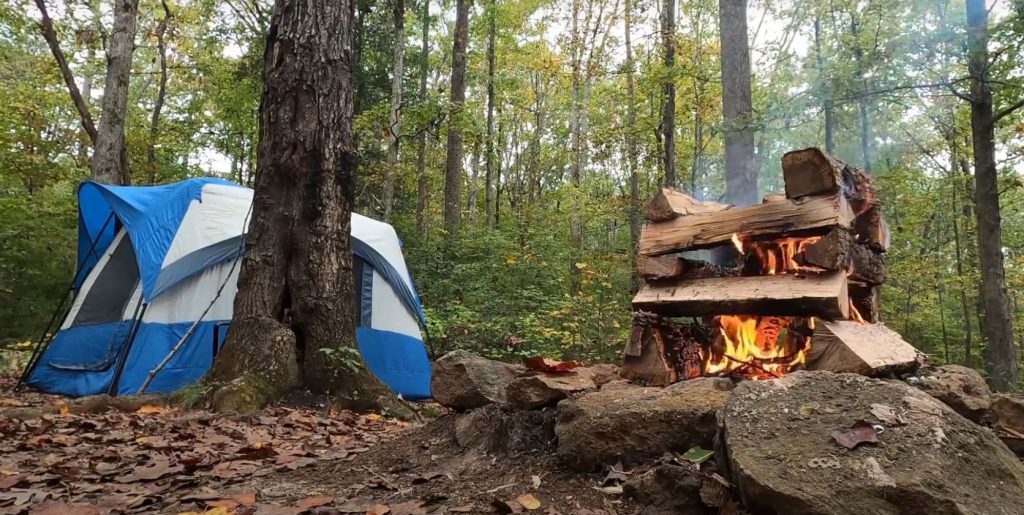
<point>737,107</point>
<point>453,164</point>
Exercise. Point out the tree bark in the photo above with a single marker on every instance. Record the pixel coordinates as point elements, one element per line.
<point>862,103</point>
<point>737,106</point>
<point>395,117</point>
<point>1001,353</point>
<point>668,116</point>
<point>473,179</point>
<point>161,93</point>
<point>294,321</point>
<point>631,149</point>
<point>421,143</point>
<point>110,155</point>
<point>576,173</point>
<point>489,173</point>
<point>453,164</point>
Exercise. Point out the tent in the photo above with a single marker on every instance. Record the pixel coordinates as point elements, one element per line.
<point>159,264</point>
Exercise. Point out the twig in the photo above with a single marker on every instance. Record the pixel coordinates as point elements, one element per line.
<point>499,488</point>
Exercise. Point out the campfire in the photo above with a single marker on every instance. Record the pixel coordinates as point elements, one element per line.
<point>757,292</point>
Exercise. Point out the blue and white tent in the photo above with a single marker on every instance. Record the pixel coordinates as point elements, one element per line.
<point>151,259</point>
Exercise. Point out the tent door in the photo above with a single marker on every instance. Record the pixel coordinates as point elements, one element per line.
<point>107,359</point>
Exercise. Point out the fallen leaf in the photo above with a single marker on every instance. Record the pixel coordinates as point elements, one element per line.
<point>542,364</point>
<point>155,470</point>
<point>887,415</point>
<point>507,506</point>
<point>528,501</point>
<point>379,509</point>
<point>610,490</point>
<point>61,508</point>
<point>149,409</point>
<point>408,508</point>
<point>697,455</point>
<point>536,482</point>
<point>426,477</point>
<point>464,509</point>
<point>314,502</point>
<point>859,433</point>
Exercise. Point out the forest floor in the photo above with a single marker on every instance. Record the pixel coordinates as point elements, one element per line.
<point>287,459</point>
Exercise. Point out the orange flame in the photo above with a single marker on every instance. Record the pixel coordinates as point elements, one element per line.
<point>738,243</point>
<point>757,347</point>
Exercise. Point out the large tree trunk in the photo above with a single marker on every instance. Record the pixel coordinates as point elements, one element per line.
<point>395,118</point>
<point>110,155</point>
<point>453,164</point>
<point>737,107</point>
<point>631,149</point>
<point>668,116</point>
<point>161,93</point>
<point>489,173</point>
<point>294,320</point>
<point>421,143</point>
<point>1001,354</point>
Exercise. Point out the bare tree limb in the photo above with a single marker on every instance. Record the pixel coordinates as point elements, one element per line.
<point>154,123</point>
<point>1009,110</point>
<point>69,79</point>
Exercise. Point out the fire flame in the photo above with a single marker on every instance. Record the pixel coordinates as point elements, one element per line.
<point>763,347</point>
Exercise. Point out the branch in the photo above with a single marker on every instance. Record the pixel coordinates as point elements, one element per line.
<point>1008,110</point>
<point>76,96</point>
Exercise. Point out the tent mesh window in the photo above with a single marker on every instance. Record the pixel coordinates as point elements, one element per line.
<point>106,300</point>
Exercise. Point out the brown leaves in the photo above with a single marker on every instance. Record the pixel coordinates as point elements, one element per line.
<point>549,365</point>
<point>142,461</point>
<point>860,432</point>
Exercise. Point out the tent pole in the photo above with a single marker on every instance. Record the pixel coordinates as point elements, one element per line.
<point>136,322</point>
<point>43,342</point>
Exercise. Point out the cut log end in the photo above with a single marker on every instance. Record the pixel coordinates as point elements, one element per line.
<point>866,349</point>
<point>669,204</point>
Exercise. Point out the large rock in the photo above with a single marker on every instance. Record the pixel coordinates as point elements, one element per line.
<point>928,459</point>
<point>494,429</point>
<point>631,423</point>
<point>462,380</point>
<point>1007,410</point>
<point>962,388</point>
<point>546,389</point>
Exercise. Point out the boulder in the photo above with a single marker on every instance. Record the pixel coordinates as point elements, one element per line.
<point>462,380</point>
<point>779,443</point>
<point>546,389</point>
<point>962,388</point>
<point>1007,411</point>
<point>632,423</point>
<point>667,490</point>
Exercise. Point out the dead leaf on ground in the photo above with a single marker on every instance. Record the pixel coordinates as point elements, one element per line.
<point>315,502</point>
<point>851,437</point>
<point>464,509</point>
<point>507,506</point>
<point>379,509</point>
<point>426,477</point>
<point>528,501</point>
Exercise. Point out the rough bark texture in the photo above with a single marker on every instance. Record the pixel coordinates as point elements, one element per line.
<point>1001,354</point>
<point>453,165</point>
<point>825,91</point>
<point>395,118</point>
<point>737,107</point>
<point>631,146</point>
<point>668,116</point>
<point>421,143</point>
<point>293,315</point>
<point>110,154</point>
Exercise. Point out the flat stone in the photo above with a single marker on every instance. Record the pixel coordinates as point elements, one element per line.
<point>462,380</point>
<point>780,453</point>
<point>961,388</point>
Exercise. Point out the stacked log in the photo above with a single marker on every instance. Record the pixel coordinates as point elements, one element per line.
<point>815,252</point>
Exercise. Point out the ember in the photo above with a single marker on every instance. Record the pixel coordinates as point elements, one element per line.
<point>801,264</point>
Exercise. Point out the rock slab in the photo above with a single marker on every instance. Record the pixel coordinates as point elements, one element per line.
<point>462,380</point>
<point>632,423</point>
<point>961,388</point>
<point>544,389</point>
<point>777,445</point>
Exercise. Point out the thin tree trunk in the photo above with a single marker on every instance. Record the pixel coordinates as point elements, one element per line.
<point>668,116</point>
<point>631,149</point>
<point>825,89</point>
<point>576,172</point>
<point>161,93</point>
<point>473,180</point>
<point>110,155</point>
<point>489,173</point>
<point>81,105</point>
<point>1001,353</point>
<point>395,118</point>
<point>294,321</point>
<point>453,165</point>
<point>737,106</point>
<point>421,144</point>
<point>958,246</point>
<point>862,102</point>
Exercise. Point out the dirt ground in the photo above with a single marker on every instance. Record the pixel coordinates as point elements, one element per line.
<point>287,459</point>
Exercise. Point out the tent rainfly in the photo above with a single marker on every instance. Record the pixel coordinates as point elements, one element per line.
<point>153,259</point>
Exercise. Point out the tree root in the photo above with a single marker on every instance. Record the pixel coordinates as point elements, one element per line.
<point>90,404</point>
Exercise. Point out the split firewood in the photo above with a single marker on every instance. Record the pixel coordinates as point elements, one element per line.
<point>669,204</point>
<point>672,266</point>
<point>773,197</point>
<point>867,349</point>
<point>811,172</point>
<point>866,299</point>
<point>823,295</point>
<point>775,218</point>
<point>871,228</point>
<point>838,250</point>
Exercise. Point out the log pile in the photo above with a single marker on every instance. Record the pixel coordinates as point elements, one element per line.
<point>792,271</point>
